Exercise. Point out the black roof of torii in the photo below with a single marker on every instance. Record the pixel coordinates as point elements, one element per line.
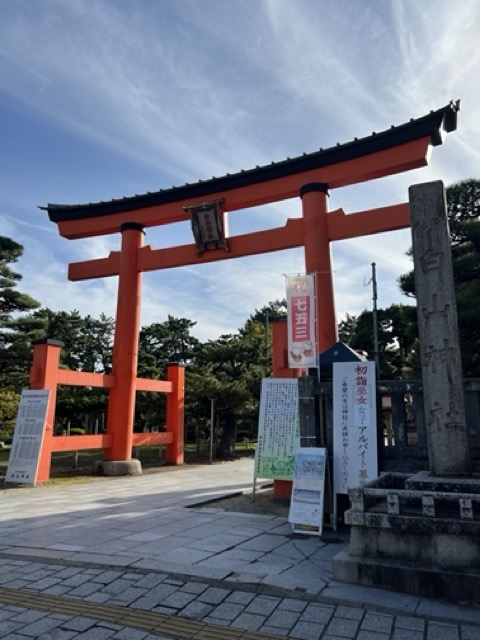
<point>433,124</point>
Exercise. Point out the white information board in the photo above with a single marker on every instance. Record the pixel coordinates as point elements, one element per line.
<point>308,492</point>
<point>28,437</point>
<point>355,459</point>
<point>278,429</point>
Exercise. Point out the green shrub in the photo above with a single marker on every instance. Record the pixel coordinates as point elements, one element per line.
<point>8,413</point>
<point>6,433</point>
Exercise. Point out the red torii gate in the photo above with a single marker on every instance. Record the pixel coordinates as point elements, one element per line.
<point>310,176</point>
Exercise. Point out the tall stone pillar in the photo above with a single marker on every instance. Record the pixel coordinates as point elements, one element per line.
<point>448,449</point>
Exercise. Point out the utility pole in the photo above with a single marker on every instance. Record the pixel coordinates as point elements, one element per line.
<point>375,319</point>
<point>376,350</point>
<point>267,340</point>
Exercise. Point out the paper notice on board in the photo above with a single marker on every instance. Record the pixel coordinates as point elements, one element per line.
<point>306,505</point>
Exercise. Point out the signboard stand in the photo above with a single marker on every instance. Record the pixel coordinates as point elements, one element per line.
<point>307,503</point>
<point>28,437</point>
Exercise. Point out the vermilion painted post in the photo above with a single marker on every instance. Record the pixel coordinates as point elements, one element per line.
<point>175,413</point>
<point>280,369</point>
<point>318,260</point>
<point>43,375</point>
<point>121,402</point>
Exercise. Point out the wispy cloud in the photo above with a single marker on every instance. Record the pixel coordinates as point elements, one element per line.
<point>126,81</point>
<point>116,97</point>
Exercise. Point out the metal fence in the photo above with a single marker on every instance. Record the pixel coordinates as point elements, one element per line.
<point>402,436</point>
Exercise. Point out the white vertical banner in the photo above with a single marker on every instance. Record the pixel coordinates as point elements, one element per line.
<point>354,425</point>
<point>301,321</point>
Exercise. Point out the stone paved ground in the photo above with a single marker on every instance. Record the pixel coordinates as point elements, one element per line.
<point>62,601</point>
<point>125,559</point>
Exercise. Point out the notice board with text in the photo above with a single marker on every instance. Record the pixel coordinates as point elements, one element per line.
<point>355,460</point>
<point>308,492</point>
<point>28,437</point>
<point>278,429</point>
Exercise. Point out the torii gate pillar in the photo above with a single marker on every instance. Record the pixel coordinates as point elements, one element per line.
<point>318,260</point>
<point>121,401</point>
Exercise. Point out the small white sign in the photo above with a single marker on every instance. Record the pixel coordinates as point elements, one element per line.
<point>28,437</point>
<point>308,492</point>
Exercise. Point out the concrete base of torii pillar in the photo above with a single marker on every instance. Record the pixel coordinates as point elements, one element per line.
<point>131,467</point>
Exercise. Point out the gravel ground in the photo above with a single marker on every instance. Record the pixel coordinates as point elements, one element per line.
<point>264,502</point>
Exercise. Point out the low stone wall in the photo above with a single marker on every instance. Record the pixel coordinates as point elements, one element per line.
<point>423,541</point>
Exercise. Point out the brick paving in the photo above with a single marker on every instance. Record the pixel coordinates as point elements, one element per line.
<point>134,558</point>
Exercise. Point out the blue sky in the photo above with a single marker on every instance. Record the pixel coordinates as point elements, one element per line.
<point>101,99</point>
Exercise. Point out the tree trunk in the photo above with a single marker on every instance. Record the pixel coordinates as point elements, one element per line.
<point>226,444</point>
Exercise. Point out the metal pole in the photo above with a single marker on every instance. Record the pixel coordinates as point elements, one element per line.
<point>212,428</point>
<point>267,337</point>
<point>375,319</point>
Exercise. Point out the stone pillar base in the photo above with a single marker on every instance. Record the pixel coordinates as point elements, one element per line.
<point>456,585</point>
<point>424,542</point>
<point>117,468</point>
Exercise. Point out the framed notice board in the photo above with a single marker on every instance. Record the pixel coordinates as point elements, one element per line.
<point>308,492</point>
<point>278,429</point>
<point>28,437</point>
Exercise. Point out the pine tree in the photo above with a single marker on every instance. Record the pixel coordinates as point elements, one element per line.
<point>17,327</point>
